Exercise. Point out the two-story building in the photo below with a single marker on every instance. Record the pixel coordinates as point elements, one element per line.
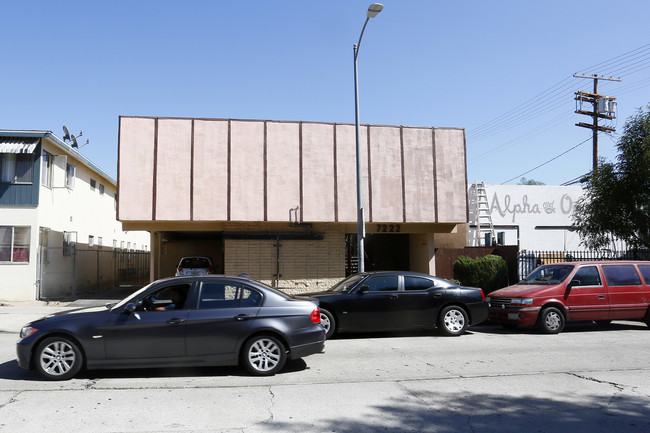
<point>58,226</point>
<point>277,199</point>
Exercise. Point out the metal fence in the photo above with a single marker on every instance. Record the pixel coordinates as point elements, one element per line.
<point>69,272</point>
<point>529,260</point>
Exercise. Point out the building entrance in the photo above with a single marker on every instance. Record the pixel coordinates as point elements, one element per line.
<point>387,252</point>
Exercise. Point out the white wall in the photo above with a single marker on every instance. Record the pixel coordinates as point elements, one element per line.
<point>535,217</point>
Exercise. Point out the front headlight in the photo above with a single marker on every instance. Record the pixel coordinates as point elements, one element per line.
<point>524,302</point>
<point>27,331</point>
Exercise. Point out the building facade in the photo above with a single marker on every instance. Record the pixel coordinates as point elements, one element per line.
<point>277,199</point>
<point>55,203</point>
<point>533,217</point>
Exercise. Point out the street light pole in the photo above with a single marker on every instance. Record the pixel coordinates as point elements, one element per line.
<point>373,10</point>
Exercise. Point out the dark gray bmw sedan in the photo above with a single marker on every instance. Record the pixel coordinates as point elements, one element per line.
<point>207,320</point>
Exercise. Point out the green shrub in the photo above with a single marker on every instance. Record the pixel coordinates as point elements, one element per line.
<point>489,273</point>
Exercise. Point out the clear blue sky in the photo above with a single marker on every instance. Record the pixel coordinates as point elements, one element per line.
<point>500,69</point>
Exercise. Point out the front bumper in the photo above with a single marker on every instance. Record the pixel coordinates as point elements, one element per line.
<point>526,316</point>
<point>24,355</point>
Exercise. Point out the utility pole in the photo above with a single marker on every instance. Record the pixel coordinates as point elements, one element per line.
<point>604,107</point>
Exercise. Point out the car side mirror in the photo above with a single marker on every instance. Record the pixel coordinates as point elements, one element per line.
<point>130,308</point>
<point>574,282</point>
<point>364,289</point>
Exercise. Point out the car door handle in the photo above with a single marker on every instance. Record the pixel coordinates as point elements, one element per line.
<point>394,296</point>
<point>175,321</point>
<point>241,317</point>
<point>601,296</point>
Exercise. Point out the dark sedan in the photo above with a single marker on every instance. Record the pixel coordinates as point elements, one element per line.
<point>181,321</point>
<point>389,301</point>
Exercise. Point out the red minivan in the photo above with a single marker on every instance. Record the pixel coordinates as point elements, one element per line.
<point>556,293</point>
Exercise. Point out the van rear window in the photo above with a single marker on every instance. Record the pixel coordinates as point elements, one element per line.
<point>621,275</point>
<point>645,271</point>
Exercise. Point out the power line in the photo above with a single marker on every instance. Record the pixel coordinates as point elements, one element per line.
<point>544,163</point>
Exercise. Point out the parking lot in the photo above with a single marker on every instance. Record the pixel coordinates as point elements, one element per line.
<point>492,379</point>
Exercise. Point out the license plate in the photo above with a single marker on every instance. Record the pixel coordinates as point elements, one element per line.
<point>513,316</point>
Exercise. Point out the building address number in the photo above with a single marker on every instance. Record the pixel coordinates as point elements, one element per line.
<point>389,228</point>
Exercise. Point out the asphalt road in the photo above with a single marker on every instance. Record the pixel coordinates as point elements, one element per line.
<point>587,379</point>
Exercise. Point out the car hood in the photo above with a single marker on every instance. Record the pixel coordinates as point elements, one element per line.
<point>74,312</point>
<point>321,294</point>
<point>525,291</point>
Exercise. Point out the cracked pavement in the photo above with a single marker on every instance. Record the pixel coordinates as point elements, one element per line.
<point>587,379</point>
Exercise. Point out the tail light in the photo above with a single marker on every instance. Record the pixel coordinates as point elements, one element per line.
<point>209,269</point>
<point>180,268</point>
<point>315,315</point>
<point>482,294</point>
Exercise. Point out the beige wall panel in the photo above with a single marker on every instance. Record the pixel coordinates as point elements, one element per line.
<point>347,174</point>
<point>451,177</point>
<point>283,169</point>
<point>173,171</point>
<point>419,175</point>
<point>318,172</point>
<point>386,174</point>
<point>210,170</point>
<point>135,177</point>
<point>247,171</point>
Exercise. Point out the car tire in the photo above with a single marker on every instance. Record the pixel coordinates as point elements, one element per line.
<point>551,321</point>
<point>58,358</point>
<point>328,322</point>
<point>453,320</point>
<point>263,355</point>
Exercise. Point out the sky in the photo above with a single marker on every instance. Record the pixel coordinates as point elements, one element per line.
<point>503,70</point>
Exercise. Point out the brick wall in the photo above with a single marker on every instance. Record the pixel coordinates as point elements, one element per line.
<point>305,265</point>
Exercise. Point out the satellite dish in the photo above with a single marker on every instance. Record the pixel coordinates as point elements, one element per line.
<point>66,133</point>
<point>74,141</point>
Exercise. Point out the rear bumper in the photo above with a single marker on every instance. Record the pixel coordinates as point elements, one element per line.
<point>514,316</point>
<point>307,341</point>
<point>478,312</point>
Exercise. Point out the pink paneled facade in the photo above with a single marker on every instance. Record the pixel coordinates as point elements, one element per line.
<point>229,187</point>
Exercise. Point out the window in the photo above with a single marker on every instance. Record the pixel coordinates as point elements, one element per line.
<point>228,295</point>
<point>588,276</point>
<point>91,241</point>
<point>621,275</point>
<point>167,298</point>
<point>93,184</point>
<point>382,284</point>
<point>101,189</point>
<point>46,169</point>
<point>14,244</point>
<point>70,172</point>
<point>417,283</point>
<point>16,168</point>
<point>645,271</point>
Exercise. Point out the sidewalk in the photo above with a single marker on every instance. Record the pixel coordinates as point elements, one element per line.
<point>15,314</point>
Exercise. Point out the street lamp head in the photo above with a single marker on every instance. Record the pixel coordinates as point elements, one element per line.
<point>374,9</point>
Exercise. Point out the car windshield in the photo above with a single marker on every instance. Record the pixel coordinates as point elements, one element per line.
<point>131,296</point>
<point>345,285</point>
<point>195,262</point>
<point>548,274</point>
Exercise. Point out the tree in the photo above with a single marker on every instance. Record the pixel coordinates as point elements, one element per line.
<point>616,202</point>
<point>525,181</point>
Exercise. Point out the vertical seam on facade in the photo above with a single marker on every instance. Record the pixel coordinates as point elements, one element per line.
<point>229,181</point>
<point>435,174</point>
<point>192,174</point>
<point>401,148</point>
<point>300,168</point>
<point>369,175</point>
<point>465,165</point>
<point>266,215</point>
<point>336,184</point>
<point>155,168</point>
<point>117,189</point>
